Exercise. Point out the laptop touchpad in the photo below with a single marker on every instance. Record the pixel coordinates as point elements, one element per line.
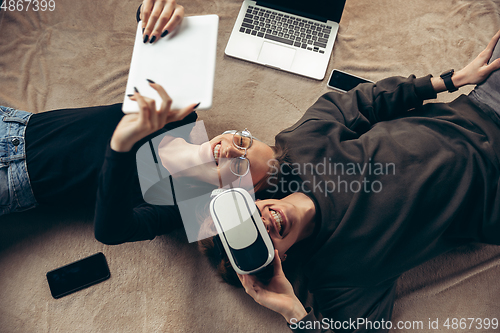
<point>276,55</point>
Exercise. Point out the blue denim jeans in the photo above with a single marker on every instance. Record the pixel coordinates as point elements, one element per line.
<point>15,188</point>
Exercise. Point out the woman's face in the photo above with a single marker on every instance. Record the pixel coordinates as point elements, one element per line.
<point>288,220</point>
<point>258,154</point>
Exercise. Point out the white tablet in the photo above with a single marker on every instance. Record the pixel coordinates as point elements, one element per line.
<point>183,62</point>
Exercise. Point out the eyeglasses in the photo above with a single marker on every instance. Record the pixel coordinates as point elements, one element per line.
<point>242,140</point>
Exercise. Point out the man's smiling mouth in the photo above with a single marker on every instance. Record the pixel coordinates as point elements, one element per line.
<point>217,153</point>
<point>279,221</point>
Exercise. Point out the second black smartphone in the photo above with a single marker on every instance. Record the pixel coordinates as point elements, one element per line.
<point>343,81</point>
<point>78,275</point>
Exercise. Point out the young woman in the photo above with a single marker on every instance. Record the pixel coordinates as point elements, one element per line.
<point>65,149</point>
<point>382,183</point>
<point>87,157</point>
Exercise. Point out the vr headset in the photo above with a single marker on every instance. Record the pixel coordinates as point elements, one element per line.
<point>241,232</point>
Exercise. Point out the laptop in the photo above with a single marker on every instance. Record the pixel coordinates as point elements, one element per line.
<point>291,35</point>
<point>183,63</point>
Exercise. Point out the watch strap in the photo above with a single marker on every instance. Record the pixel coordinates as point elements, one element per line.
<point>446,76</point>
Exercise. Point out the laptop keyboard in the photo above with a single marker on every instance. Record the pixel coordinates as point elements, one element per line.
<point>286,29</point>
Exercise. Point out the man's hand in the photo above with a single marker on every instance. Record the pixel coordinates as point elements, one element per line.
<point>479,69</point>
<point>159,17</point>
<point>278,295</point>
<point>475,72</point>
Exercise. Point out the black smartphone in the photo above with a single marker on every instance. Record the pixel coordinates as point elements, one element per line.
<point>343,81</point>
<point>78,275</point>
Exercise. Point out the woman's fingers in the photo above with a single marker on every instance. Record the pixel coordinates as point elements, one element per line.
<point>174,21</point>
<point>159,17</point>
<point>181,114</point>
<point>147,108</point>
<point>146,9</point>
<point>164,17</point>
<point>166,100</point>
<point>134,127</point>
<point>166,103</point>
<point>162,116</point>
<point>166,115</point>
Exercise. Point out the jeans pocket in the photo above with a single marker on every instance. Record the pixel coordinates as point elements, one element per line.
<point>4,185</point>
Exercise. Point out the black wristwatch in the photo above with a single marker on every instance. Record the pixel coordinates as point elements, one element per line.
<point>446,76</point>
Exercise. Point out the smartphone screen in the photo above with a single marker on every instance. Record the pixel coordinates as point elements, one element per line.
<point>343,81</point>
<point>78,275</point>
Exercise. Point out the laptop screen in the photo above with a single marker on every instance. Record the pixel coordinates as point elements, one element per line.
<point>321,10</point>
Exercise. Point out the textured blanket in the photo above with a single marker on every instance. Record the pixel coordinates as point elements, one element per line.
<point>78,55</point>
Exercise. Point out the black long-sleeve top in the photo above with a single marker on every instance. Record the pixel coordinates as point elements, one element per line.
<point>70,163</point>
<point>437,187</point>
<point>65,152</point>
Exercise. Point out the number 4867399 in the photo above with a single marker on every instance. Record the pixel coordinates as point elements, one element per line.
<point>25,5</point>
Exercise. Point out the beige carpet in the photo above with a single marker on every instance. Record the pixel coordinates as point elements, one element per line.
<point>78,55</point>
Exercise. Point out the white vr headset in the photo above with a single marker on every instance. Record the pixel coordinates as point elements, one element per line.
<point>241,232</point>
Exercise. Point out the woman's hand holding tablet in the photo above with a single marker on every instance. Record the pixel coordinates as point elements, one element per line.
<point>135,126</point>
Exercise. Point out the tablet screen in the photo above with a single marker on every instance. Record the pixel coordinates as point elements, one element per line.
<point>183,63</point>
